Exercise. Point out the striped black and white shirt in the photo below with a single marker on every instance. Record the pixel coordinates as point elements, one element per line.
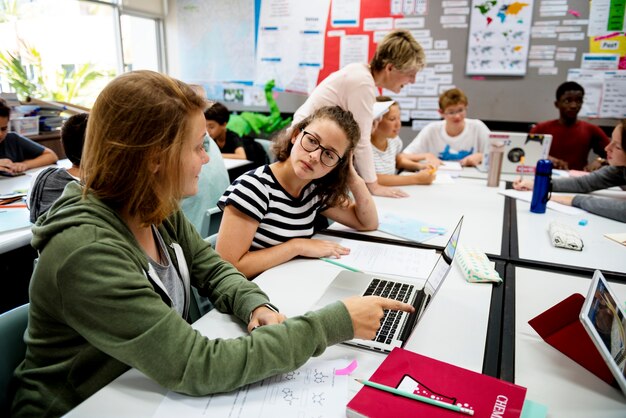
<point>281,216</point>
<point>385,161</point>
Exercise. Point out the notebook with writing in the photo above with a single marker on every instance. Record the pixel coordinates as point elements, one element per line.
<point>396,327</point>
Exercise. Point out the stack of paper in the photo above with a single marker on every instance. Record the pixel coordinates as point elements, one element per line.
<point>451,167</point>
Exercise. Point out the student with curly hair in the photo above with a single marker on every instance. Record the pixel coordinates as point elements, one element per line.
<point>269,213</point>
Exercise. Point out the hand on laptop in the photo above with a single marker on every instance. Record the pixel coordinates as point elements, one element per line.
<point>367,311</point>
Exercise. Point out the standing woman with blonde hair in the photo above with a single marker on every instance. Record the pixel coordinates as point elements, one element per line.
<point>397,60</point>
<point>111,289</point>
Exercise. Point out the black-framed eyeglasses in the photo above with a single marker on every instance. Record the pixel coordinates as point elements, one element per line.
<point>310,144</point>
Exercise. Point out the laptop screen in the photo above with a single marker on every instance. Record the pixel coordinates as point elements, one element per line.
<point>442,266</point>
<point>532,147</point>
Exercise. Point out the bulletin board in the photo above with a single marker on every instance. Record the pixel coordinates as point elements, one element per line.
<point>558,40</point>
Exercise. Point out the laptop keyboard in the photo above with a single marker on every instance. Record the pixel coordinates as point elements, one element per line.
<point>392,290</point>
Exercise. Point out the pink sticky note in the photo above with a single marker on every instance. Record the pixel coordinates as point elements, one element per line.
<point>347,370</point>
<point>574,12</point>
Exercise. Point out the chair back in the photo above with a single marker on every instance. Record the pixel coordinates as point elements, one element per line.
<point>13,348</point>
<point>212,183</point>
<point>267,146</point>
<point>211,223</point>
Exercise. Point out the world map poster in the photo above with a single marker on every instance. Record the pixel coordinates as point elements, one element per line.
<point>499,35</point>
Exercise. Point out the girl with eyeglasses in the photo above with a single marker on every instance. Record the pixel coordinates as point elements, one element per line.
<point>270,212</point>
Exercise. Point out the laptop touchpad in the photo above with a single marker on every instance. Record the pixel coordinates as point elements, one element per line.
<point>346,284</point>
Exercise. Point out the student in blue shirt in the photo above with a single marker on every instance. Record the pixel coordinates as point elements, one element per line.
<point>18,154</point>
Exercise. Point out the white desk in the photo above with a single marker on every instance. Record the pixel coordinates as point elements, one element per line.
<point>553,379</point>
<point>232,163</point>
<point>598,252</point>
<point>444,204</point>
<point>453,329</point>
<point>10,240</point>
<point>17,238</point>
<point>475,173</point>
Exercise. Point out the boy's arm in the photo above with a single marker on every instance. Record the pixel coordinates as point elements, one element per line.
<point>239,154</point>
<point>47,157</point>
<point>472,160</point>
<point>599,141</point>
<point>413,162</point>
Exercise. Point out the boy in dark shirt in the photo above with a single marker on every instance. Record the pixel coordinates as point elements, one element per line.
<point>230,143</point>
<point>18,154</point>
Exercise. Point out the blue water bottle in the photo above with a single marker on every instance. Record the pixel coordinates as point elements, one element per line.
<point>541,188</point>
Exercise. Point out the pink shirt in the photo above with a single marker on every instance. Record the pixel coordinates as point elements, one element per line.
<point>352,88</point>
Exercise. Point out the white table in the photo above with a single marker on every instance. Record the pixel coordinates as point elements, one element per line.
<point>598,252</point>
<point>444,204</point>
<point>453,330</point>
<point>10,240</point>
<point>16,238</point>
<point>553,379</point>
<point>232,163</point>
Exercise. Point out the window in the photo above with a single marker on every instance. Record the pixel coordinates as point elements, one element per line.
<point>140,40</point>
<point>70,49</point>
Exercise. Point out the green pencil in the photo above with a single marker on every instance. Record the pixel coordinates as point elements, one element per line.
<point>331,261</point>
<point>415,397</point>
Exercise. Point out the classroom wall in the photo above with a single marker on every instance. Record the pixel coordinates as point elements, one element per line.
<point>495,99</point>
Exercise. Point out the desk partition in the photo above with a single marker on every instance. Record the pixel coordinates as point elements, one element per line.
<point>553,379</point>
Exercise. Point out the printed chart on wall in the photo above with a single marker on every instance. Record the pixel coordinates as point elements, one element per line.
<point>290,48</point>
<point>499,35</point>
<point>201,28</point>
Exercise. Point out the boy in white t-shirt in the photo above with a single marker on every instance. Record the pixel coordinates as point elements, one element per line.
<point>454,138</point>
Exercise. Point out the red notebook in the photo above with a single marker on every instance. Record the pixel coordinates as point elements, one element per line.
<point>411,372</point>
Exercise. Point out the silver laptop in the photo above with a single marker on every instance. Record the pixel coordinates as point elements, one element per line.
<point>396,327</point>
<point>533,147</point>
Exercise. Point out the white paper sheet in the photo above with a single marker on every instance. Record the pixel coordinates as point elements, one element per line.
<point>310,391</point>
<point>386,259</point>
<point>527,196</point>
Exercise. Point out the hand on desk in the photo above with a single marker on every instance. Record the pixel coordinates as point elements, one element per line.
<point>564,200</point>
<point>316,248</point>
<point>11,167</point>
<point>367,311</point>
<point>264,316</point>
<point>378,190</point>
<point>520,184</point>
<point>472,160</point>
<point>426,176</point>
<point>559,164</point>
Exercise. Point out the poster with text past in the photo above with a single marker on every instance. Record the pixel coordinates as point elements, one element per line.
<point>499,35</point>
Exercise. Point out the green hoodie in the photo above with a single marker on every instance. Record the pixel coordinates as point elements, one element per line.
<point>94,313</point>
